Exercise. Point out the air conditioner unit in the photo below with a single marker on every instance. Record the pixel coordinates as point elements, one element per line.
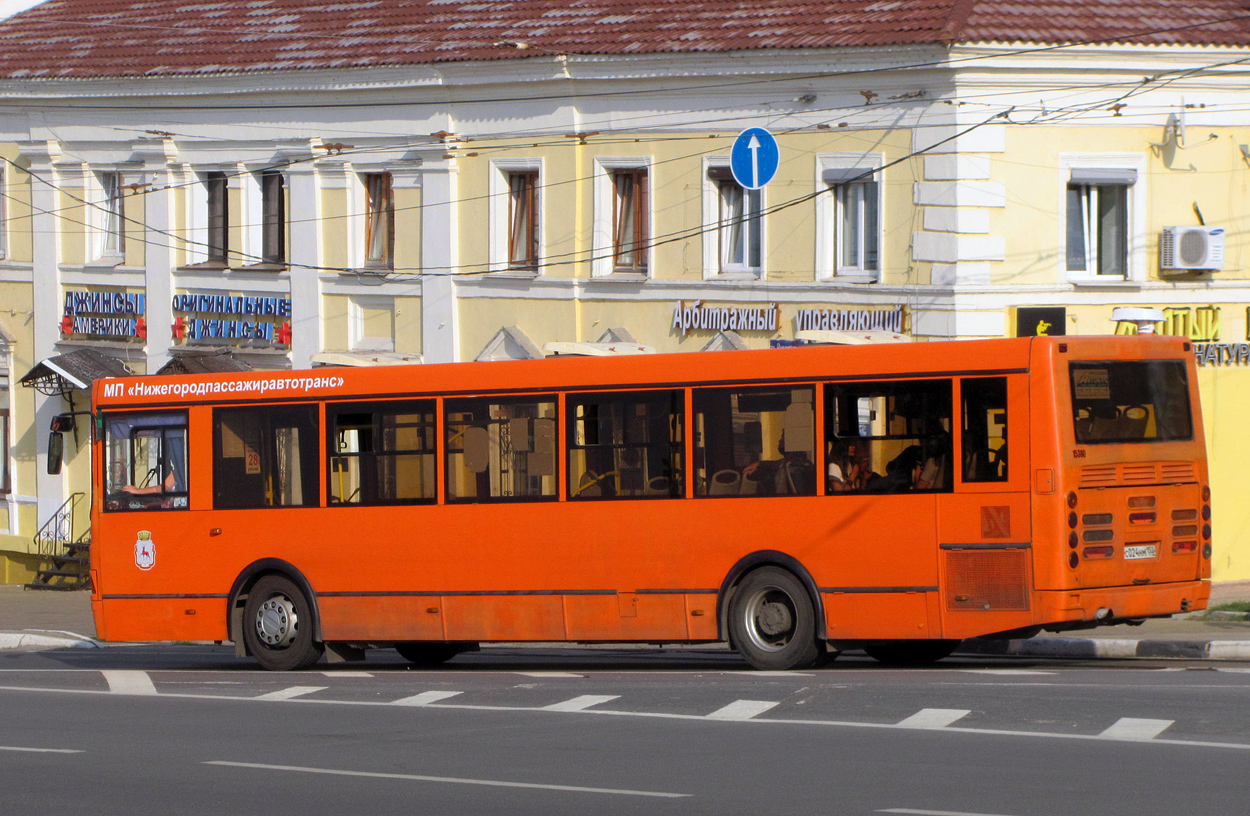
<point>1183,249</point>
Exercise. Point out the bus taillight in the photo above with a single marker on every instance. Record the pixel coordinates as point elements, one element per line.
<point>1184,546</point>
<point>1094,553</point>
<point>1142,518</point>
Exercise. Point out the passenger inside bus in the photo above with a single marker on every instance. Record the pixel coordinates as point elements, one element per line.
<point>793,474</point>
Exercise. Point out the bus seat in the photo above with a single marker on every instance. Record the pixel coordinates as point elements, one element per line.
<point>725,482</point>
<point>658,486</point>
<point>1133,422</point>
<point>588,485</point>
<point>1106,423</point>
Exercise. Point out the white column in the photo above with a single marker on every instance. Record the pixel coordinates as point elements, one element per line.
<point>305,261</point>
<point>45,255</point>
<point>440,240</point>
<point>160,172</point>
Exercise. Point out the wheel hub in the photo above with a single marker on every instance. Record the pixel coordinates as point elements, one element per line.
<point>277,622</point>
<point>774,618</point>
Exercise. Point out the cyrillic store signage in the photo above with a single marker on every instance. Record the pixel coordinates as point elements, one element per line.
<point>103,314</point>
<point>255,319</point>
<point>696,316</point>
<point>1202,325</point>
<point>850,320</point>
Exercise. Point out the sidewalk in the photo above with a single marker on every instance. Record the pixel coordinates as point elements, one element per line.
<point>32,620</point>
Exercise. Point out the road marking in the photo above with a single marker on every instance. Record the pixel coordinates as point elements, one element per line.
<point>128,682</point>
<point>425,698</point>
<point>753,673</point>
<point>1007,672</point>
<point>494,783</point>
<point>289,693</point>
<point>741,710</point>
<point>582,703</point>
<point>934,717</point>
<point>1130,728</point>
<point>936,812</point>
<point>348,673</point>
<point>40,750</point>
<point>770,723</point>
<point>549,674</point>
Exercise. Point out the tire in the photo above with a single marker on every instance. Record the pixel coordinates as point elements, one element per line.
<point>431,653</point>
<point>772,621</point>
<point>910,652</point>
<point>278,625</point>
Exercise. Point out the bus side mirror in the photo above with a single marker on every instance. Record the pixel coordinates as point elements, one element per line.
<point>56,450</point>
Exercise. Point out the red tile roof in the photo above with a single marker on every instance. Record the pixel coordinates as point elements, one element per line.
<point>113,38</point>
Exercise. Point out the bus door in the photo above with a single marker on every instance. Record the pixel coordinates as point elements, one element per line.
<point>984,535</point>
<point>888,461</point>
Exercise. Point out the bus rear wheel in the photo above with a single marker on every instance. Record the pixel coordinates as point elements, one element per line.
<point>278,626</point>
<point>910,652</point>
<point>772,621</point>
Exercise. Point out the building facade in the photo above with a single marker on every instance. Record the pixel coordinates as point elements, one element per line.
<point>430,195</point>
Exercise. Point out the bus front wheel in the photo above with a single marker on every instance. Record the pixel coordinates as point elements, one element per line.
<point>278,626</point>
<point>772,621</point>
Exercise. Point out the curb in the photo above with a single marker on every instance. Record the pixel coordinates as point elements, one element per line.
<point>1110,648</point>
<point>35,641</point>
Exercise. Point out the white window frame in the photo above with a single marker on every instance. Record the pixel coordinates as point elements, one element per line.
<point>499,192</point>
<point>1136,260</point>
<point>603,241</point>
<point>106,217</point>
<point>4,211</point>
<point>254,219</point>
<point>357,339</point>
<point>714,228</point>
<point>829,216</point>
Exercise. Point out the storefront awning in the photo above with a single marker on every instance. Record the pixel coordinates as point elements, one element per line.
<point>217,361</point>
<point>77,369</point>
<point>365,358</point>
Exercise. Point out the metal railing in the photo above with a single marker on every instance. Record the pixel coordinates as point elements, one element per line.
<point>58,531</point>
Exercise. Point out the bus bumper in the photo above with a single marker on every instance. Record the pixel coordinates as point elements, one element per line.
<point>1106,605</point>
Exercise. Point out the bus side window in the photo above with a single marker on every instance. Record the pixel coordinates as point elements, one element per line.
<point>888,437</point>
<point>755,441</point>
<point>501,449</point>
<point>146,462</point>
<point>381,453</point>
<point>265,457</point>
<point>626,445</point>
<point>984,429</point>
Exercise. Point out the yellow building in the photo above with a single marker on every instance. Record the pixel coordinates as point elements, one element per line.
<point>493,189</point>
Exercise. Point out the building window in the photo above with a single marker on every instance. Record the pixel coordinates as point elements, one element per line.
<point>217,237</point>
<point>523,221</point>
<point>1104,212</point>
<point>379,220</point>
<point>273,217</point>
<point>630,217</point>
<point>848,215</point>
<point>857,238</point>
<point>111,235</point>
<point>739,225</point>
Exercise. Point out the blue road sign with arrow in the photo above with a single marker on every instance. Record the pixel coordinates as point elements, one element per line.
<point>754,158</point>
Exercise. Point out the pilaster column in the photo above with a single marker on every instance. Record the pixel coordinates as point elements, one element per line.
<point>440,241</point>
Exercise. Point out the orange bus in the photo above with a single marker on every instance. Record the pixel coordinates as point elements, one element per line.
<point>793,502</point>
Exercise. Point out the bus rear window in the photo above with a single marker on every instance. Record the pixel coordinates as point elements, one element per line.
<point>1145,401</point>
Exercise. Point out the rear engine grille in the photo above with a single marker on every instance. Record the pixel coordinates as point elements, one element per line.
<point>987,579</point>
<point>1137,473</point>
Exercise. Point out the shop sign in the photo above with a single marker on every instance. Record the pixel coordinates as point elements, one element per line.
<point>1041,321</point>
<point>1222,353</point>
<point>728,318</point>
<point>103,314</point>
<point>850,320</point>
<point>233,317</point>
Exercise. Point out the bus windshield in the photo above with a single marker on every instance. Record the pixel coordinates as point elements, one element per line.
<point>1143,401</point>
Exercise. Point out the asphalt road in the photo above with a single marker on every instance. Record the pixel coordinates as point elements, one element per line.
<point>191,730</point>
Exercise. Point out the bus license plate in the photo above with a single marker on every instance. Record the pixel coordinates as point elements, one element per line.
<point>1139,551</point>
